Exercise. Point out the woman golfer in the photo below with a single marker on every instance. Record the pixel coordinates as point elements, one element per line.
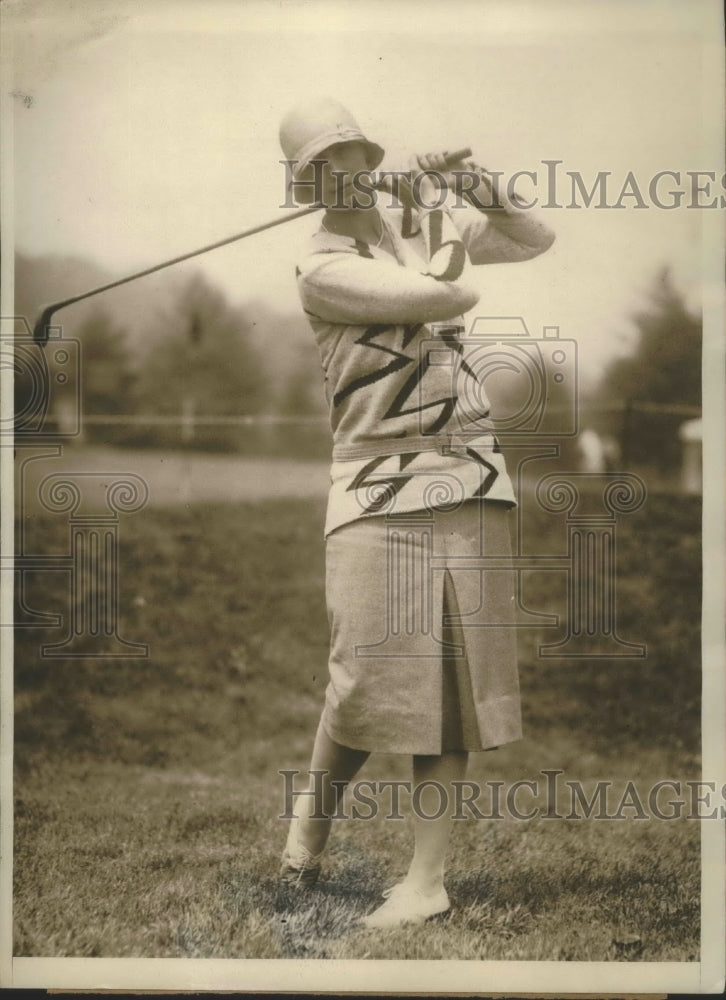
<point>422,658</point>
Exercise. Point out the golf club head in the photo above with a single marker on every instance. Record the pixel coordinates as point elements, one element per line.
<point>40,330</point>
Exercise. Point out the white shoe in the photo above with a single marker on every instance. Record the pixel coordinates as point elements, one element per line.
<point>299,867</point>
<point>406,905</point>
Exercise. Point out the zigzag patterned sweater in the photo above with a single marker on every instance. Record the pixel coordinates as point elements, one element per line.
<point>408,416</point>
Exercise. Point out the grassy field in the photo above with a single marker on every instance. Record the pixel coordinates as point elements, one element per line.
<point>147,792</point>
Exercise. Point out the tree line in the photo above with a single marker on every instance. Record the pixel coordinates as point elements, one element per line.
<point>204,358</point>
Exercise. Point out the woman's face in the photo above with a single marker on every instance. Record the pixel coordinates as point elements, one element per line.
<point>343,161</point>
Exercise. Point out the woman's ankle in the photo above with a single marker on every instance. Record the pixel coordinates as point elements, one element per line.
<point>313,834</point>
<point>426,882</point>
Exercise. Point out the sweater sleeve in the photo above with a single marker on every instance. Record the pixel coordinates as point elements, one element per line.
<point>351,286</point>
<point>500,235</point>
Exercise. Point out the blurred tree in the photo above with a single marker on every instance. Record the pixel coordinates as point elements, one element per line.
<point>107,381</point>
<point>302,396</point>
<point>202,363</point>
<point>303,393</point>
<point>664,369</point>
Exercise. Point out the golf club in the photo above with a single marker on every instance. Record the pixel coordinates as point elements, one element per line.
<point>42,325</point>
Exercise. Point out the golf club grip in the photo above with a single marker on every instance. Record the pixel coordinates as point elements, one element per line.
<point>405,187</point>
<point>459,154</point>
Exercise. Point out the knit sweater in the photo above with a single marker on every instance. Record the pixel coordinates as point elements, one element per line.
<point>405,407</point>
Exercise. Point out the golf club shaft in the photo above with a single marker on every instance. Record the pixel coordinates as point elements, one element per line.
<point>41,328</point>
<point>40,331</point>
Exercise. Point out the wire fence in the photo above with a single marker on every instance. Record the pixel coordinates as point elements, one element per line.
<point>660,441</point>
<point>223,420</point>
<point>321,419</point>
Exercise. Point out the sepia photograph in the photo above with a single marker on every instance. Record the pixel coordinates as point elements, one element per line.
<point>362,496</point>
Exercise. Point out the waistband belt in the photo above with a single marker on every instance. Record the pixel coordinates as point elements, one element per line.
<point>444,444</point>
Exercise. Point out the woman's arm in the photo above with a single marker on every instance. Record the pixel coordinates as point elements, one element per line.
<point>350,286</point>
<point>502,233</point>
<point>493,229</point>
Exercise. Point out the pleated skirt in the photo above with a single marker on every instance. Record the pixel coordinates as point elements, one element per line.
<point>423,654</point>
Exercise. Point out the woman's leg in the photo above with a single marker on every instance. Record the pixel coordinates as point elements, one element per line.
<point>426,871</point>
<point>340,764</point>
<point>422,893</point>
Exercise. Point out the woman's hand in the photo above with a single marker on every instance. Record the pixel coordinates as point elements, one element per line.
<point>430,185</point>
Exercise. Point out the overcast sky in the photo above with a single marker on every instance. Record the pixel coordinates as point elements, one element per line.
<point>144,130</point>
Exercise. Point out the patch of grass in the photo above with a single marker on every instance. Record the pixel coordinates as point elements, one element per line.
<point>149,863</point>
<point>147,792</point>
